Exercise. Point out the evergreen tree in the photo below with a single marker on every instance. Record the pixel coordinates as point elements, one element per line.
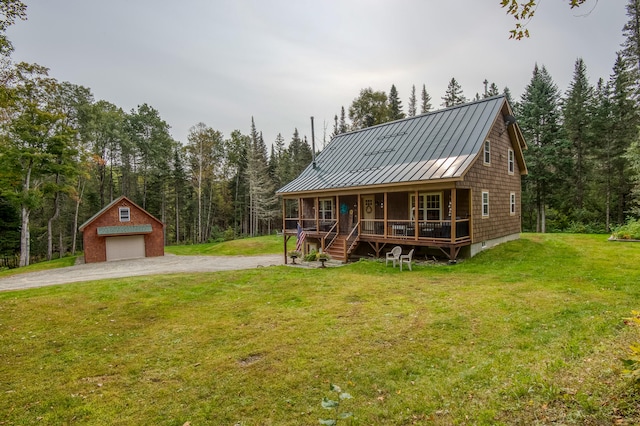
<point>395,105</point>
<point>425,101</point>
<point>539,119</point>
<point>633,158</point>
<point>343,127</point>
<point>507,93</point>
<point>577,110</point>
<point>412,102</point>
<point>300,154</point>
<point>453,96</point>
<point>602,128</point>
<point>493,90</point>
<point>631,45</point>
<point>262,199</point>
<point>624,115</point>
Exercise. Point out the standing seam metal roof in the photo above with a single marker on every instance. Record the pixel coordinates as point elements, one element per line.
<point>437,145</point>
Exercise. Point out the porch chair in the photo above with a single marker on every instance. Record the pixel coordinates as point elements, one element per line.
<point>394,255</point>
<point>406,258</point>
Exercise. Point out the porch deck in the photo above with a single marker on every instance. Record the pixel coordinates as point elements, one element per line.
<point>380,233</point>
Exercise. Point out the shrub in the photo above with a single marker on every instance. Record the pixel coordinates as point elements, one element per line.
<point>311,256</point>
<point>629,231</point>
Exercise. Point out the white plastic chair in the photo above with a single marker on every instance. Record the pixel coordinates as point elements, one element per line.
<point>394,255</point>
<point>406,258</point>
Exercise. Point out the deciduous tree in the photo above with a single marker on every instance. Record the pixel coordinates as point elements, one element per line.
<point>369,109</point>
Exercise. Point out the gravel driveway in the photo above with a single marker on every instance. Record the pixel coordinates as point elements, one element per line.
<point>168,264</point>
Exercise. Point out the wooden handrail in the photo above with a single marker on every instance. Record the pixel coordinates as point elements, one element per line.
<point>348,250</point>
<point>326,246</point>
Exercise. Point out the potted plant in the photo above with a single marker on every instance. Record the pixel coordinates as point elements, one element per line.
<point>323,257</point>
<point>294,254</point>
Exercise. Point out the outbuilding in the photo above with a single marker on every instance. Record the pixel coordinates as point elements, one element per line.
<point>122,230</point>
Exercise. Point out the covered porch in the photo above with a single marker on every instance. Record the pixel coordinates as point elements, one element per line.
<point>437,218</point>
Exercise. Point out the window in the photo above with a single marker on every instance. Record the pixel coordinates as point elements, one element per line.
<point>429,206</point>
<point>487,152</point>
<point>124,214</point>
<point>512,203</point>
<point>485,204</point>
<point>326,209</point>
<point>510,159</point>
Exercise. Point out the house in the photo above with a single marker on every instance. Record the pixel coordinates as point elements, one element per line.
<point>122,230</point>
<point>446,182</point>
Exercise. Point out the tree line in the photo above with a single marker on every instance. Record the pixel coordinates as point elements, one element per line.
<point>65,155</point>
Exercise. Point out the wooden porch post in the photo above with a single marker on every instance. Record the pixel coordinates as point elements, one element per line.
<point>284,227</point>
<point>317,214</point>
<point>337,215</point>
<point>470,214</point>
<point>386,213</point>
<point>358,214</point>
<point>416,214</point>
<point>453,215</point>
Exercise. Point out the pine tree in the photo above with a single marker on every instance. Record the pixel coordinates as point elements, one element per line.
<point>577,110</point>
<point>493,90</point>
<point>262,199</point>
<point>453,95</point>
<point>425,101</point>
<point>602,128</point>
<point>343,127</point>
<point>631,45</point>
<point>507,93</point>
<point>539,119</point>
<point>624,114</point>
<point>412,102</point>
<point>395,105</point>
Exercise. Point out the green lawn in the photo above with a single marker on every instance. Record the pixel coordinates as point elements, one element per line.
<point>41,266</point>
<point>530,332</point>
<point>270,244</point>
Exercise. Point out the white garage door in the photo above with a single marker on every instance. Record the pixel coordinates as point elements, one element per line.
<point>128,247</point>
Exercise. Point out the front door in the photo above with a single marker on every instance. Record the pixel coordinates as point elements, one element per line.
<point>368,214</point>
<point>369,211</point>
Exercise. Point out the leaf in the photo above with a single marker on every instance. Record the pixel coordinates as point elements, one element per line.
<point>329,404</point>
<point>345,395</point>
<point>335,388</point>
<point>345,415</point>
<point>328,422</point>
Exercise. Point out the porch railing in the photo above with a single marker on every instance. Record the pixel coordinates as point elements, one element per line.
<point>427,229</point>
<point>332,234</point>
<point>351,241</point>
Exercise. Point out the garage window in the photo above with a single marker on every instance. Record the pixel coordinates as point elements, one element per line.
<point>124,214</point>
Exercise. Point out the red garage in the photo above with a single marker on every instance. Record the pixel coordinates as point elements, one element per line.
<point>122,230</point>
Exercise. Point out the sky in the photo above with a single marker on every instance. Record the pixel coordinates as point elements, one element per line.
<point>222,62</point>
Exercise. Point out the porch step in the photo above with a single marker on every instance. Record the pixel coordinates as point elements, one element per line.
<point>337,249</point>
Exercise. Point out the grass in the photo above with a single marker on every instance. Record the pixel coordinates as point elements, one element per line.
<point>40,266</point>
<point>529,332</point>
<point>270,244</point>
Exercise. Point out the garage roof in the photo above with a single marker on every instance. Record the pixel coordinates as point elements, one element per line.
<point>124,230</point>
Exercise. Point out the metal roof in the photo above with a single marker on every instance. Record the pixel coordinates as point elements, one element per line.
<point>437,145</point>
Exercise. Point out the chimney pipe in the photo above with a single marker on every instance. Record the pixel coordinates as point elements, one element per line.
<point>313,145</point>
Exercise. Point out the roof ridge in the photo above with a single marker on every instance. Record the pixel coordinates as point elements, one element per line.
<point>437,111</point>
